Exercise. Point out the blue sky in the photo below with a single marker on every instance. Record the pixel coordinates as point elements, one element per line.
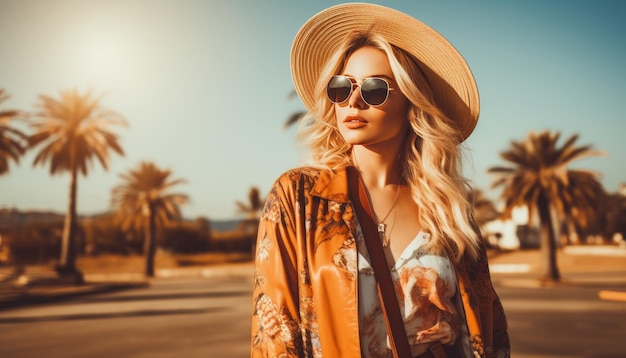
<point>204,85</point>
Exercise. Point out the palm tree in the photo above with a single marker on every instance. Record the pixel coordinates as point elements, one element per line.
<point>296,116</point>
<point>255,203</point>
<point>143,202</point>
<point>12,140</point>
<point>585,205</point>
<point>540,179</point>
<point>74,130</point>
<point>251,210</point>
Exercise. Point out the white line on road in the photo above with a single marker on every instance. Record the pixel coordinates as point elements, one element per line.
<point>562,305</point>
<point>509,268</point>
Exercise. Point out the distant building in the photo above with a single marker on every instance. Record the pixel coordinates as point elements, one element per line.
<point>512,234</point>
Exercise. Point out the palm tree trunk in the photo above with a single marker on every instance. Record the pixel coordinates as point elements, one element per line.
<point>550,270</point>
<point>150,242</point>
<point>67,261</point>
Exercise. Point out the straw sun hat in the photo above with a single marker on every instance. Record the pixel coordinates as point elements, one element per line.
<point>447,72</point>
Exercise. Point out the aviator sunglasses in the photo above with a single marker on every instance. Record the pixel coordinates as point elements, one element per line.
<point>374,90</point>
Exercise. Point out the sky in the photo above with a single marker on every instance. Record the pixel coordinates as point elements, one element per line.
<point>204,86</point>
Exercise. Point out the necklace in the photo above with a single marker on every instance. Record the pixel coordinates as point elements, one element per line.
<point>382,226</point>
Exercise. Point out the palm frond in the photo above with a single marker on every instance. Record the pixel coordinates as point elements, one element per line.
<point>13,142</point>
<point>294,118</point>
<point>540,169</point>
<point>147,186</point>
<point>74,131</point>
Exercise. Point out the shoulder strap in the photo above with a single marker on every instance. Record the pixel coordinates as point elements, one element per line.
<point>386,291</point>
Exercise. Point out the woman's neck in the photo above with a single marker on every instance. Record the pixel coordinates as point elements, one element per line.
<point>378,168</point>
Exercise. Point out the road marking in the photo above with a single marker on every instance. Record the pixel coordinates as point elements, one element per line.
<point>599,250</point>
<point>612,295</point>
<point>509,268</point>
<point>551,305</point>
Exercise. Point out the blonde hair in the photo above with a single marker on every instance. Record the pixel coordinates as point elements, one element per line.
<point>431,159</point>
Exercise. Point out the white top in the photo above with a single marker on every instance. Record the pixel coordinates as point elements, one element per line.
<point>425,285</point>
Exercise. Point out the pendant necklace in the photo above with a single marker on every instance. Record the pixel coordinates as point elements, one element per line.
<point>382,226</point>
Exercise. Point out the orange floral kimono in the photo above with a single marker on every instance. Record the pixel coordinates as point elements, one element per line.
<point>305,301</point>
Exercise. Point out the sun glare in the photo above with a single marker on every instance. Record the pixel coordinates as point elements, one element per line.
<point>103,57</point>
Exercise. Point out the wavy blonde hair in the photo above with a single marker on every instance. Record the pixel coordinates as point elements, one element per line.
<point>431,159</point>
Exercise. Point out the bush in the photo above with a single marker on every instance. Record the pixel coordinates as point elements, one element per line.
<point>103,235</point>
<point>233,242</point>
<point>37,242</point>
<point>184,238</point>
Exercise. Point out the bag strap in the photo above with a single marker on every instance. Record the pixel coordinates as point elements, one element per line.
<point>386,292</point>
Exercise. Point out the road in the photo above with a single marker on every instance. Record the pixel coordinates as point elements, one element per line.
<point>173,318</point>
<point>196,317</point>
<point>565,322</point>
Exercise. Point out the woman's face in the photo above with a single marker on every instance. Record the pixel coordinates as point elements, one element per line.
<point>362,124</point>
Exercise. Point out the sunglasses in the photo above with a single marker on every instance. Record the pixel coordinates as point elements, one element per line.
<point>374,90</point>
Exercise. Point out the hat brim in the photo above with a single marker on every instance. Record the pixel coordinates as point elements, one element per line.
<point>451,79</point>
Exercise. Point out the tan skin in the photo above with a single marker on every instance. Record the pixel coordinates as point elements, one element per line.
<point>377,145</point>
<point>377,141</point>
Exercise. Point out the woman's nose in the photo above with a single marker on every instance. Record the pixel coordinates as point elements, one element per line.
<point>355,100</point>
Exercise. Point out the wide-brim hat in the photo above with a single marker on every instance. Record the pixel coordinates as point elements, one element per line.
<point>447,72</point>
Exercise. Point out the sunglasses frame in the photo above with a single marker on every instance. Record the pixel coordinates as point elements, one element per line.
<point>355,84</point>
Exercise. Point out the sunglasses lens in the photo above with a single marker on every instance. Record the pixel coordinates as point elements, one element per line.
<point>339,89</point>
<point>374,91</point>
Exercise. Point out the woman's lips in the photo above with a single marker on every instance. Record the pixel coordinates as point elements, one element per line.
<point>354,122</point>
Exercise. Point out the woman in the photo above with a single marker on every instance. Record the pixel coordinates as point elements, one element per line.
<point>392,98</point>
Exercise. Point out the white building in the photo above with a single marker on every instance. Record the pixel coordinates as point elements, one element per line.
<point>504,234</point>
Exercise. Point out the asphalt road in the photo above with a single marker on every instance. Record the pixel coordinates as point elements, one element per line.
<point>565,322</point>
<point>209,317</point>
<point>173,318</point>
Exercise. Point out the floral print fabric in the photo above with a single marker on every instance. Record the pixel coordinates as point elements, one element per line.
<point>425,285</point>
<point>306,293</point>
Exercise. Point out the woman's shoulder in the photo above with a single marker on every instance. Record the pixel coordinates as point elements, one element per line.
<point>300,175</point>
<point>294,184</point>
